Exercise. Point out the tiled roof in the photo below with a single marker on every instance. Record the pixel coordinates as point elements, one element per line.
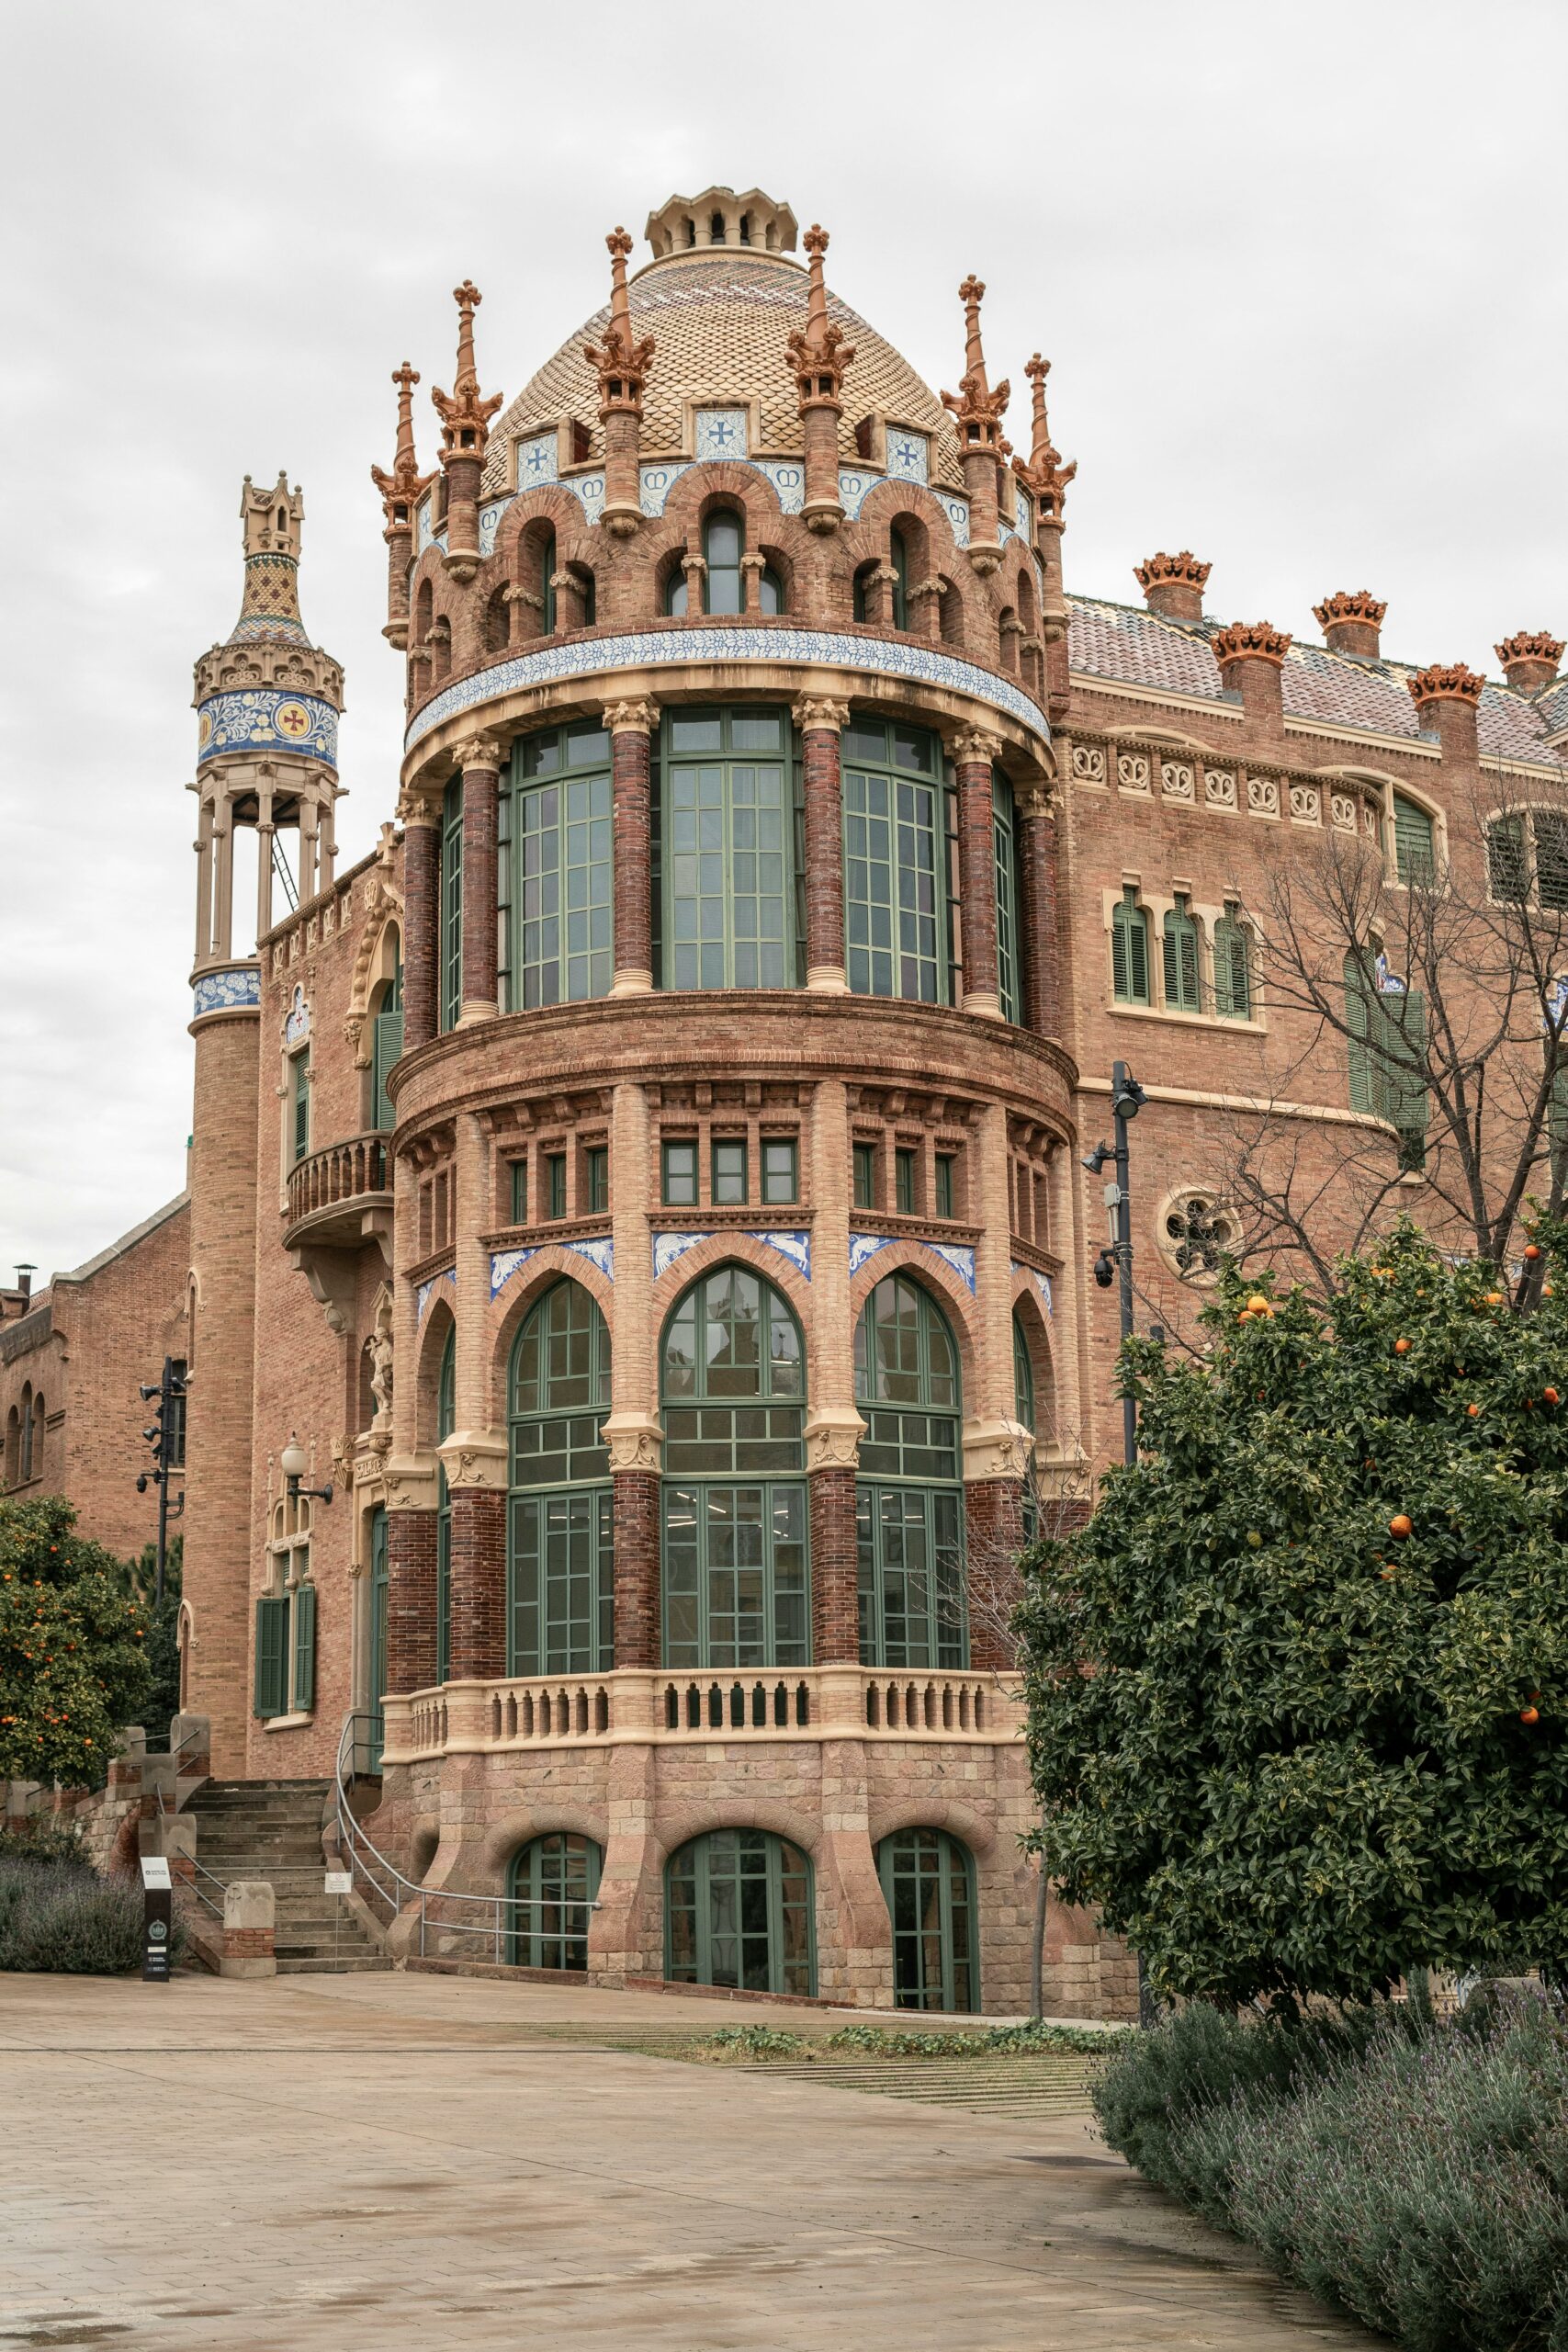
<point>721,326</point>
<point>1124,643</point>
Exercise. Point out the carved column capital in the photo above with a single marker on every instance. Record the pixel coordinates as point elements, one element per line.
<point>635,718</point>
<point>480,751</point>
<point>821,710</point>
<point>832,1438</point>
<point>475,1458</point>
<point>410,1481</point>
<point>635,1439</point>
<point>973,745</point>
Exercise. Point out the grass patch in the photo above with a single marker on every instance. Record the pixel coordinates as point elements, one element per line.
<point>736,2044</point>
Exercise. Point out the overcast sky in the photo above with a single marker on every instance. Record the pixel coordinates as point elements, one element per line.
<point>1300,272</point>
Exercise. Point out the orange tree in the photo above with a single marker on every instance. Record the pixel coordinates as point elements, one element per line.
<point>1298,1690</point>
<point>73,1668</point>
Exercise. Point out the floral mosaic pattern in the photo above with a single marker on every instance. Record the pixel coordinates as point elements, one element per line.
<point>909,454</point>
<point>600,1252</point>
<point>422,1295</point>
<point>503,1264</point>
<point>720,433</point>
<point>954,1255</point>
<point>236,989</point>
<point>267,718</point>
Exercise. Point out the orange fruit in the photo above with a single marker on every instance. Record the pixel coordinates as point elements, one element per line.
<point>1494,1298</point>
<point>1529,1715</point>
<point>1257,1303</point>
<point>1385,1573</point>
<point>1401,1347</point>
<point>1546,1290</point>
<point>1550,1395</point>
<point>1532,1249</point>
<point>1400,1526</point>
<point>1472,1410</point>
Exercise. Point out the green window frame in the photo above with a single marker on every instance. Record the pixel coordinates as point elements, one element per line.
<point>1022,1375</point>
<point>904,1181</point>
<point>304,1680</point>
<point>386,1045</point>
<point>780,1171</point>
<point>561,1557</point>
<point>1386,1053</point>
<point>376,1731</point>
<point>445,1421</point>
<point>556,862</point>
<point>1233,965</point>
<point>1507,859</point>
<point>736,1571</point>
<point>678,1170</point>
<point>738,1910</point>
<point>552,1884</point>
<point>596,1178</point>
<point>300,1087</point>
<point>1004,834</point>
<point>724,578</point>
<point>271,1696</point>
<point>1183,983</point>
<point>1415,842</point>
<point>451,967</point>
<point>909,1497</point>
<point>898,554</point>
<point>1130,949</point>
<point>520,1190</point>
<point>946,1162</point>
<point>553,1207</point>
<point>730,848</point>
<point>900,847</point>
<point>865,1175</point>
<point>730,1172</point>
<point>927,1883</point>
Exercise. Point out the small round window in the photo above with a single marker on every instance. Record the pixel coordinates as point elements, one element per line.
<point>1196,1232</point>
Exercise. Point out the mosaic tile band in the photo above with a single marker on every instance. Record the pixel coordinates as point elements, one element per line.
<point>267,718</point>
<point>237,990</point>
<point>775,642</point>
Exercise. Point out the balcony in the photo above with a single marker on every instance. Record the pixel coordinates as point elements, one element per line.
<point>662,1708</point>
<point>341,1198</point>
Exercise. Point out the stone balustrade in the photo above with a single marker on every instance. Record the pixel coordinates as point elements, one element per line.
<point>349,1177</point>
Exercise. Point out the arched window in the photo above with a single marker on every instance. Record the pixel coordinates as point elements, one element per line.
<point>731,915</point>
<point>898,556</point>
<point>546,582</point>
<point>1130,949</point>
<point>1022,1375</point>
<point>1387,1050</point>
<point>497,623</point>
<point>559,1567</point>
<point>40,1417</point>
<point>13,1447</point>
<point>445,1421</point>
<point>1004,840</point>
<point>928,1879</point>
<point>770,591</point>
<point>738,1908</point>
<point>863,585</point>
<point>451,968</point>
<point>556,866</point>
<point>1182,990</point>
<point>908,1497</point>
<point>900,846</point>
<point>552,1883</point>
<point>1233,965</point>
<point>387,1040</point>
<point>27,1465</point>
<point>1414,837</point>
<point>1527,856</point>
<point>724,544</point>
<point>423,612</point>
<point>733,1389</point>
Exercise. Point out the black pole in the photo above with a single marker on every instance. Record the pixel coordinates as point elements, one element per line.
<point>1124,1248</point>
<point>166,1404</point>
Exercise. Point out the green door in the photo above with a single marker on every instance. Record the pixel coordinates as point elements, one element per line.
<point>928,1883</point>
<point>737,1912</point>
<point>378,1636</point>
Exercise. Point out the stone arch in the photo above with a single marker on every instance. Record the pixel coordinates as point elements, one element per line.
<point>440,1323</point>
<point>679,1824</point>
<point>947,1287</point>
<point>743,1249</point>
<point>552,1263</point>
<point>508,1835</point>
<point>723,481</point>
<point>1029,1310</point>
<point>923,1809</point>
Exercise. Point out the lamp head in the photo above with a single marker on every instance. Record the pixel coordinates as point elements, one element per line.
<point>293,1460</point>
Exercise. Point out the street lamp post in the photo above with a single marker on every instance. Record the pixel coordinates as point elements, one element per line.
<point>294,1462</point>
<point>168,1454</point>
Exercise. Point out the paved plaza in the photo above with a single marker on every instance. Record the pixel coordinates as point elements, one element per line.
<point>389,2161</point>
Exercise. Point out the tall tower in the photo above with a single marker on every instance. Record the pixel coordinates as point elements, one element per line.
<point>268,703</point>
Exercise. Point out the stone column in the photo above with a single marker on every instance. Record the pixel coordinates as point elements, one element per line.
<point>631,726</point>
<point>833,1428</point>
<point>264,860</point>
<point>996,1446</point>
<point>411,1573</point>
<point>973,753</point>
<point>633,1430</point>
<point>478,1641</point>
<point>820,723</point>
<point>1043,1011</point>
<point>223,900</point>
<point>421,919</point>
<point>203,877</point>
<point>480,760</point>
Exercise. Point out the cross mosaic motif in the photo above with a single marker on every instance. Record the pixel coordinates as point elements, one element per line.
<point>537,460</point>
<point>293,720</point>
<point>720,430</point>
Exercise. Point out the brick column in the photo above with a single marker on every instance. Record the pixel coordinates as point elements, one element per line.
<point>411,1586</point>
<point>820,723</point>
<point>635,1508</point>
<point>631,726</point>
<point>421,927</point>
<point>477,1583</point>
<point>1041,941</point>
<point>993,1528</point>
<point>480,759</point>
<point>835,1603</point>
<point>973,751</point>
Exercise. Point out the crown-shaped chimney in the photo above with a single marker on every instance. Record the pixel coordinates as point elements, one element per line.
<point>1351,620</point>
<point>1173,585</point>
<point>1529,660</point>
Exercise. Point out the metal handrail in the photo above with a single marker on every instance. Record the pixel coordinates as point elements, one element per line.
<point>406,1893</point>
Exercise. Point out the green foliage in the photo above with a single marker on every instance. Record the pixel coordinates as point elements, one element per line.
<point>62,1917</point>
<point>162,1626</point>
<point>753,2042</point>
<point>1411,2175</point>
<point>885,2042</point>
<point>42,1847</point>
<point>1279,1747</point>
<point>73,1663</point>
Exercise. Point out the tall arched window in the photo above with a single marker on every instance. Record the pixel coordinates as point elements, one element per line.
<point>445,1421</point>
<point>559,1567</point>
<point>730,848</point>
<point>738,1908</point>
<point>451,965</point>
<point>547,584</point>
<point>733,1387</point>
<point>724,545</point>
<point>1130,949</point>
<point>1004,838</point>
<point>898,554</point>
<point>900,850</point>
<point>387,1040</point>
<point>1414,838</point>
<point>1387,1051</point>
<point>27,1465</point>
<point>910,1497</point>
<point>552,1883</point>
<point>1182,987</point>
<point>928,1879</point>
<point>375,1662</point>
<point>556,864</point>
<point>1022,1375</point>
<point>13,1447</point>
<point>1233,965</point>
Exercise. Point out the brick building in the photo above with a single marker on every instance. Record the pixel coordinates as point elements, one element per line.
<point>648,1187</point>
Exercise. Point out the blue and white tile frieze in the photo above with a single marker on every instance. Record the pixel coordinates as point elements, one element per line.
<point>668,1246</point>
<point>864,1247</point>
<point>957,513</point>
<point>719,433</point>
<point>958,1258</point>
<point>909,454</point>
<point>958,1255</point>
<point>537,460</point>
<point>1041,1283</point>
<point>235,990</point>
<point>425,523</point>
<point>788,478</point>
<point>588,491</point>
<point>267,718</point>
<point>774,642</point>
<point>503,1264</point>
<point>854,489</point>
<point>489,522</point>
<point>655,484</point>
<point>297,1021</point>
<point>599,1253</point>
<point>796,1246</point>
<point>422,1295</point>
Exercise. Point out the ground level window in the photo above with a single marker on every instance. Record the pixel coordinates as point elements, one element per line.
<point>928,1879</point>
<point>552,1883</point>
<point>737,1912</point>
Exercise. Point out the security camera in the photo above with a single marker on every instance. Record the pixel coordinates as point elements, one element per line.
<point>1105,1270</point>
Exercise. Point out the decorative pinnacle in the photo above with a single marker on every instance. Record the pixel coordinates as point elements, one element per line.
<point>1182,570</point>
<point>978,409</point>
<point>1250,641</point>
<point>620,363</point>
<point>1530,645</point>
<point>1446,681</point>
<point>1045,474</point>
<point>465,416</point>
<point>818,357</point>
<point>405,484</point>
<point>1351,605</point>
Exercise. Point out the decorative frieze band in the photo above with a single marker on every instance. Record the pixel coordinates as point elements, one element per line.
<point>1187,779</point>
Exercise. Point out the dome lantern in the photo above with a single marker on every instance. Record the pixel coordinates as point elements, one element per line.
<point>718,217</point>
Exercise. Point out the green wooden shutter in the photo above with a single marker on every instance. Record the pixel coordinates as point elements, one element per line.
<point>1413,842</point>
<point>1180,944</point>
<point>1401,1078</point>
<point>1129,951</point>
<point>1507,867</point>
<point>1232,971</point>
<point>388,1046</point>
<point>304,1648</point>
<point>272,1656</point>
<point>1360,1009</point>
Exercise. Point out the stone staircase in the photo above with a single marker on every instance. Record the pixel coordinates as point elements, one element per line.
<point>272,1830</point>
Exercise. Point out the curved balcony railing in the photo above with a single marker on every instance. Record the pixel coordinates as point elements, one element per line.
<point>351,1176</point>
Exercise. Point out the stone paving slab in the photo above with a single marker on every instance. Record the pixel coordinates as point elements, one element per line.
<point>395,2162</point>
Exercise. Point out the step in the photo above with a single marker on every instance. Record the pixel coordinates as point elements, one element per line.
<point>341,1966</point>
